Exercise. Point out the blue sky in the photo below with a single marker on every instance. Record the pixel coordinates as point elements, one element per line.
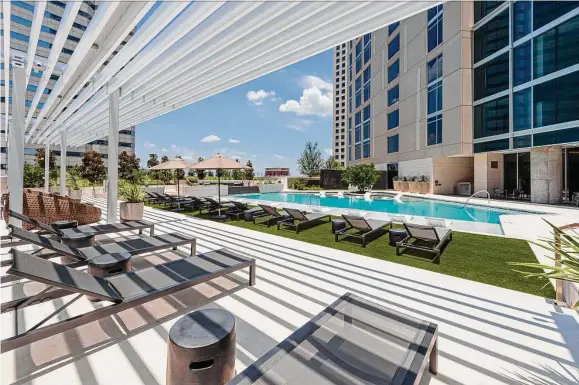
<point>267,120</point>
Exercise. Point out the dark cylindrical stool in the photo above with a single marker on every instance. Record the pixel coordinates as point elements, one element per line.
<point>76,241</point>
<point>396,235</point>
<point>337,225</point>
<point>106,265</point>
<point>64,224</point>
<point>201,349</point>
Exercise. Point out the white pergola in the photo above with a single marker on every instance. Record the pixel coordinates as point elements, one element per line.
<point>180,53</point>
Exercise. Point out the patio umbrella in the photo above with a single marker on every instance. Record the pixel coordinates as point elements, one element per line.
<point>218,162</point>
<point>173,164</point>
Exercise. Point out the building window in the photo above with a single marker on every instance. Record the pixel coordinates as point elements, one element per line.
<point>367,47</point>
<point>29,151</point>
<point>491,118</point>
<point>491,77</point>
<point>556,49</point>
<point>393,119</point>
<point>546,11</point>
<point>350,67</point>
<point>367,133</point>
<point>521,19</point>
<point>393,144</point>
<point>556,137</point>
<point>522,64</point>
<point>434,130</point>
<point>394,70</point>
<point>394,47</point>
<point>350,139</point>
<point>350,98</point>
<point>522,141</point>
<point>359,56</point>
<point>522,110</point>
<point>392,27</point>
<point>435,98</point>
<point>483,8</point>
<point>555,101</point>
<point>434,69</point>
<point>434,27</point>
<point>492,36</point>
<point>358,91</point>
<point>367,77</point>
<point>357,135</point>
<point>493,145</point>
<point>393,95</point>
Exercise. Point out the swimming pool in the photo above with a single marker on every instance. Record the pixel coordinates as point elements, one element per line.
<point>407,206</point>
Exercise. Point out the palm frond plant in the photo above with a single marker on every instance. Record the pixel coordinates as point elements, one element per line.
<point>131,192</point>
<point>565,247</point>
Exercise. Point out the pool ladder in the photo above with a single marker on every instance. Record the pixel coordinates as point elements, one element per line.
<point>472,196</point>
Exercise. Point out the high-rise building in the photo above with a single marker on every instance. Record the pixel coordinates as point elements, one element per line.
<point>21,17</point>
<point>480,92</point>
<point>340,113</point>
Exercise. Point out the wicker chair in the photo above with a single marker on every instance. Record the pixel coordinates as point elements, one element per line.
<point>49,208</point>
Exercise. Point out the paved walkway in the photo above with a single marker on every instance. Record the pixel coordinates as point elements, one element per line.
<point>488,335</point>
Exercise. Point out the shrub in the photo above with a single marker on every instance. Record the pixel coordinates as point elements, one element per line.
<point>33,176</point>
<point>363,176</point>
<point>298,184</point>
<point>131,192</point>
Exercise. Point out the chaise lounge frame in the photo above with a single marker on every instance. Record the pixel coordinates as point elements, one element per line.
<point>297,219</point>
<point>438,236</point>
<point>369,229</point>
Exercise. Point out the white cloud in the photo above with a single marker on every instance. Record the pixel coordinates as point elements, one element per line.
<point>174,146</point>
<point>278,156</point>
<point>164,150</point>
<point>295,127</point>
<point>210,139</point>
<point>328,151</point>
<point>299,125</point>
<point>316,98</point>
<point>233,141</point>
<point>257,97</point>
<point>148,144</point>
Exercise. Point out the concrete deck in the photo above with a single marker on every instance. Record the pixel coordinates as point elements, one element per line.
<point>488,335</point>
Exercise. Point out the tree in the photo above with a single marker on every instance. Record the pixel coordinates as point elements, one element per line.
<point>128,164</point>
<point>249,171</point>
<point>363,176</point>
<point>310,162</point>
<point>54,171</point>
<point>33,175</point>
<point>165,175</point>
<point>200,173</point>
<point>93,168</point>
<point>332,164</point>
<point>151,162</point>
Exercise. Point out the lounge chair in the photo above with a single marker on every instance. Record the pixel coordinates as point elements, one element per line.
<point>151,198</point>
<point>123,291</point>
<point>241,208</point>
<point>368,229</point>
<point>215,205</point>
<point>109,228</point>
<point>80,256</point>
<point>298,219</point>
<point>434,237</point>
<point>270,216</point>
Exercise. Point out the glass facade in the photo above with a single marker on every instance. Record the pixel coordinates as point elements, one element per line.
<point>392,27</point>
<point>522,112</point>
<point>367,76</point>
<point>393,119</point>
<point>484,8</point>
<point>359,56</point>
<point>393,95</point>
<point>357,135</point>
<point>367,131</point>
<point>393,144</point>
<point>491,118</point>
<point>492,36</point>
<point>394,70</point>
<point>434,27</point>
<point>434,130</point>
<point>556,101</point>
<point>522,69</point>
<point>556,49</point>
<point>358,85</point>
<point>367,47</point>
<point>491,77</point>
<point>393,47</point>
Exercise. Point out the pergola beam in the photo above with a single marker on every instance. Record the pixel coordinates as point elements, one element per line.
<point>39,8</point>
<point>6,53</point>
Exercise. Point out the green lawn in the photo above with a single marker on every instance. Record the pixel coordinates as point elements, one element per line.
<point>475,257</point>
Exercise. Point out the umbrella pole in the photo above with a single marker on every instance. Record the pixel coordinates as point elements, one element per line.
<point>178,193</point>
<point>219,190</point>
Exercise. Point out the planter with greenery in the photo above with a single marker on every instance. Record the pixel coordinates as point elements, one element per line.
<point>424,185</point>
<point>413,185</point>
<point>362,176</point>
<point>75,183</point>
<point>404,184</point>
<point>396,182</point>
<point>134,196</point>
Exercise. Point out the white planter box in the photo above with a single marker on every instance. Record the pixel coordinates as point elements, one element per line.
<point>270,188</point>
<point>131,211</point>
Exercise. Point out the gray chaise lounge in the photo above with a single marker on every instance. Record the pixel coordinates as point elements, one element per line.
<point>368,229</point>
<point>124,291</point>
<point>270,216</point>
<point>298,219</point>
<point>241,208</point>
<point>434,237</point>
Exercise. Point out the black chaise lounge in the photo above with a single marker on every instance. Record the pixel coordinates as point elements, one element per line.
<point>368,229</point>
<point>241,208</point>
<point>81,255</point>
<point>298,219</point>
<point>424,238</point>
<point>270,216</point>
<point>124,291</point>
<point>109,228</point>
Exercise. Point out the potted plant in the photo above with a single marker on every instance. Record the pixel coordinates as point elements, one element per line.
<point>396,182</point>
<point>134,201</point>
<point>74,183</point>
<point>404,184</point>
<point>424,185</point>
<point>414,185</point>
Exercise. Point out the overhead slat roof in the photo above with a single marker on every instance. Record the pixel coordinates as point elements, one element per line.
<point>180,53</point>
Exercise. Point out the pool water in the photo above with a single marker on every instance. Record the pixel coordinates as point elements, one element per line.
<point>407,206</point>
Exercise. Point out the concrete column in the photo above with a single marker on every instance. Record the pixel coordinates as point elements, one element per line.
<point>47,168</point>
<point>63,163</point>
<point>113,160</point>
<point>16,140</point>
<point>546,175</point>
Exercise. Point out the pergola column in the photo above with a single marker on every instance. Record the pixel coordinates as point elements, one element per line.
<point>63,163</point>
<point>113,156</point>
<point>47,168</point>
<point>16,140</point>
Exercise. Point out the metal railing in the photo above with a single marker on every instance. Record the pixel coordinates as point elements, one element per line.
<point>473,195</point>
